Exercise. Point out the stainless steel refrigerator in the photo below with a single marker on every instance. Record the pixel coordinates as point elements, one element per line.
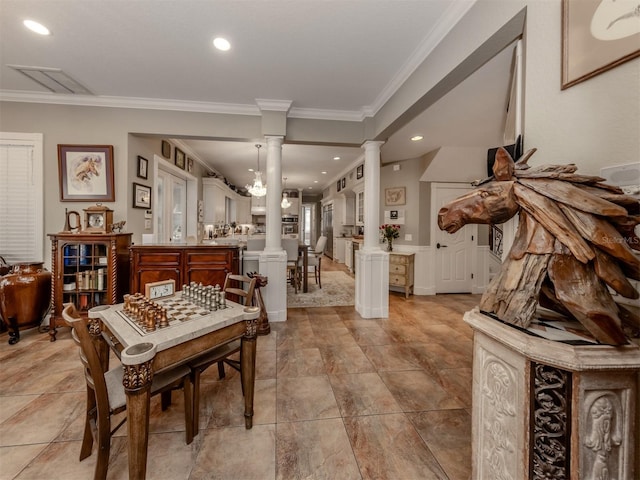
<point>327,228</point>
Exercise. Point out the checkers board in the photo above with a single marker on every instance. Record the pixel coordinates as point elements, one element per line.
<point>178,310</point>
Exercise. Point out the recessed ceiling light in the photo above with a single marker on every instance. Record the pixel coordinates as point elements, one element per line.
<point>310,188</point>
<point>315,181</point>
<point>416,138</point>
<point>336,158</point>
<point>36,27</point>
<point>221,44</point>
<point>250,169</point>
<point>324,173</point>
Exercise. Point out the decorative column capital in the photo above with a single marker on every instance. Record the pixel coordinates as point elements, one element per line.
<point>372,145</point>
<point>276,140</point>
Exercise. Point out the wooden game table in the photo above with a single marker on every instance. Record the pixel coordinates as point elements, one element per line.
<point>143,354</point>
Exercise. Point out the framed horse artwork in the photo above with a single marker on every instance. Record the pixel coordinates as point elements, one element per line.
<point>86,173</point>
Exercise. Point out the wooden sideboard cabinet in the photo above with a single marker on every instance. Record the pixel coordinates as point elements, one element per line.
<point>87,270</point>
<point>206,264</point>
<point>401,271</point>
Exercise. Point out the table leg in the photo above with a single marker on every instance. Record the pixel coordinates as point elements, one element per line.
<point>305,270</point>
<point>248,370</point>
<point>137,385</point>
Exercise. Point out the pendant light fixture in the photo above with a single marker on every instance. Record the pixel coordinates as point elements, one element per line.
<point>258,189</point>
<point>285,198</point>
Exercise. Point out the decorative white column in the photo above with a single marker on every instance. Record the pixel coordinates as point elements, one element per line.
<point>274,193</point>
<point>273,260</point>
<point>372,263</point>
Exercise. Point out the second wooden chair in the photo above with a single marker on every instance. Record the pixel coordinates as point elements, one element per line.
<point>243,287</point>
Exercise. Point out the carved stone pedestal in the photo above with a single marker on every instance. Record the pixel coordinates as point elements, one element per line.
<point>545,409</point>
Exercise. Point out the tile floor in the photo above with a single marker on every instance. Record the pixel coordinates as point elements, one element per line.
<point>337,397</point>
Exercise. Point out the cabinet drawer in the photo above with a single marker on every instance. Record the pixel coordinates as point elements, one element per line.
<point>397,280</point>
<point>398,269</point>
<point>399,259</point>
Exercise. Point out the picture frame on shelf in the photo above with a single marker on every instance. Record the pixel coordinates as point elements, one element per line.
<point>166,149</point>
<point>180,158</point>
<point>596,37</point>
<point>143,167</point>
<point>86,173</point>
<point>344,182</point>
<point>141,196</point>
<point>339,185</point>
<point>359,172</point>
<point>189,164</point>
<point>395,196</point>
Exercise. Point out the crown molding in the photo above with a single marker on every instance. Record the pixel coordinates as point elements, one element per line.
<point>180,105</point>
<point>449,19</point>
<point>128,102</point>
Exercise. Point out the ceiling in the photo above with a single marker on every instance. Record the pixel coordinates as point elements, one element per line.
<point>331,59</point>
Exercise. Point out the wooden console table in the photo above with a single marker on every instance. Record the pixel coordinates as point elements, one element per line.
<point>208,264</point>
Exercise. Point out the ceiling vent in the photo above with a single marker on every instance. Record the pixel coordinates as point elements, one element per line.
<point>53,79</point>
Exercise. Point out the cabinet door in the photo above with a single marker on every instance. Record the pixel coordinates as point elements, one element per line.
<point>155,266</point>
<point>209,267</point>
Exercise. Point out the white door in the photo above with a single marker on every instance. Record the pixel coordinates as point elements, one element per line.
<point>453,252</point>
<point>171,207</point>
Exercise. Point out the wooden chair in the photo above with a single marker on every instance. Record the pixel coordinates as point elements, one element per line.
<point>233,284</point>
<point>106,396</point>
<point>315,258</point>
<point>294,268</point>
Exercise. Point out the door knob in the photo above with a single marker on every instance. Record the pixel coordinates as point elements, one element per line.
<point>440,246</point>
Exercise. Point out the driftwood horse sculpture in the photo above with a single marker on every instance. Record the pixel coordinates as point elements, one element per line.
<point>575,238</point>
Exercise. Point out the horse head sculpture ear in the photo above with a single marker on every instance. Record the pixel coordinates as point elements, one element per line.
<point>504,165</point>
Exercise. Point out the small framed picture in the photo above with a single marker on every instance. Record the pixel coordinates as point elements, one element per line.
<point>394,215</point>
<point>344,182</point>
<point>394,196</point>
<point>180,158</point>
<point>359,172</point>
<point>86,173</point>
<point>166,149</point>
<point>339,185</point>
<point>143,167</point>
<point>141,196</point>
<point>189,164</point>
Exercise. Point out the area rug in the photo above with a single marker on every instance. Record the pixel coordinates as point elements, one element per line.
<point>338,289</point>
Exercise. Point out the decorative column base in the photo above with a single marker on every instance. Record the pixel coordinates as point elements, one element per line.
<point>273,265</point>
<point>546,409</point>
<point>372,283</point>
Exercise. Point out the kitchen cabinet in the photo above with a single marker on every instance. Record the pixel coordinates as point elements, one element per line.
<point>214,201</point>
<point>338,249</point>
<point>184,263</point>
<point>348,209</point>
<point>258,205</point>
<point>243,210</point>
<point>348,254</point>
<point>401,267</point>
<point>87,270</point>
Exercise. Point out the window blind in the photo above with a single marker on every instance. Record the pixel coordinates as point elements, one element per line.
<point>21,198</point>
